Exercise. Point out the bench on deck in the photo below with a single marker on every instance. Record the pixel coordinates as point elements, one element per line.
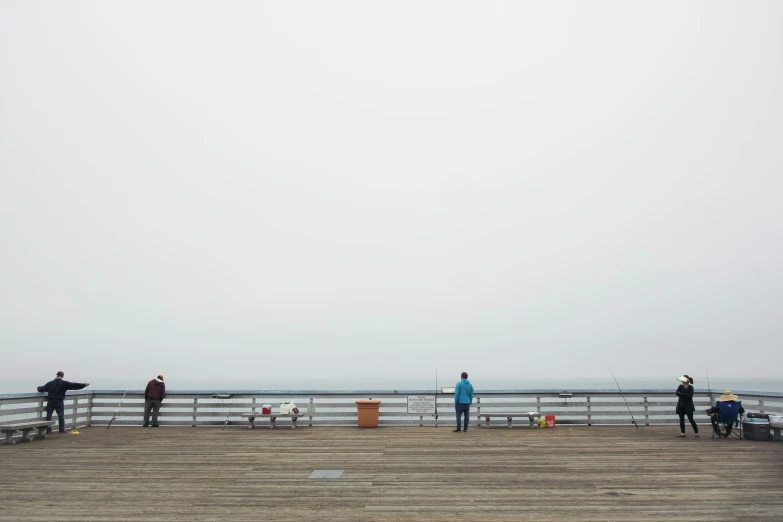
<point>271,416</point>
<point>531,416</point>
<point>25,427</point>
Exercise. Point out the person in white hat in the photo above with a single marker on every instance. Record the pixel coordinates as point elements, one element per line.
<point>685,404</point>
<point>724,429</point>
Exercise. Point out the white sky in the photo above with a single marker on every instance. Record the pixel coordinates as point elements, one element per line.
<point>362,189</point>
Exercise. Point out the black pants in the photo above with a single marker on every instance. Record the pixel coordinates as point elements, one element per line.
<point>690,418</point>
<point>151,404</point>
<point>57,405</point>
<point>462,408</point>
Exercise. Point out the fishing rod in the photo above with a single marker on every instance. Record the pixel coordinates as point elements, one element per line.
<point>436,396</point>
<point>633,421</point>
<point>229,409</point>
<point>114,415</point>
<point>709,388</point>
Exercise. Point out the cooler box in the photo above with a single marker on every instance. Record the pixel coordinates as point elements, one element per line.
<point>756,429</point>
<point>776,427</point>
<point>266,409</point>
<point>550,421</point>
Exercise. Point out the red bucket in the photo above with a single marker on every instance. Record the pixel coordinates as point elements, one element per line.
<point>266,409</point>
<point>550,421</point>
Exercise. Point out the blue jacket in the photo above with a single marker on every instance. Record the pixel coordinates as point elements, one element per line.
<point>56,389</point>
<point>463,393</point>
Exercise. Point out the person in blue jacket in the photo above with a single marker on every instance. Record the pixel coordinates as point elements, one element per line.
<point>463,396</point>
<point>55,397</point>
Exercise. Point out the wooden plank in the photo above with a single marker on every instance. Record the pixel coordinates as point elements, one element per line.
<point>24,425</point>
<point>403,422</point>
<point>267,415</point>
<point>30,400</point>
<point>23,411</point>
<point>593,473</point>
<point>36,399</point>
<point>172,404</point>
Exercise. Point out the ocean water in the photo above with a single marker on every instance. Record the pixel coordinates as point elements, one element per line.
<point>173,383</point>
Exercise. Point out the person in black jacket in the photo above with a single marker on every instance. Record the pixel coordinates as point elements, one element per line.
<point>55,397</point>
<point>685,404</point>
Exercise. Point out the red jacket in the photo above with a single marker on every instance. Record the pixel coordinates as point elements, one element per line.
<point>155,391</point>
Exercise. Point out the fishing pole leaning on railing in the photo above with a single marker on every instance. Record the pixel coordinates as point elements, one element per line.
<point>436,396</point>
<point>114,415</point>
<point>633,421</point>
<point>231,406</point>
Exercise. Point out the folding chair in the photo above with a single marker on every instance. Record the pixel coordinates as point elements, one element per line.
<point>724,417</point>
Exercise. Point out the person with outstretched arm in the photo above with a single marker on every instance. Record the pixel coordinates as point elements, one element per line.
<point>153,396</point>
<point>463,396</point>
<point>55,397</point>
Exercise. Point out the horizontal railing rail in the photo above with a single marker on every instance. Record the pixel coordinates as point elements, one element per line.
<point>337,408</point>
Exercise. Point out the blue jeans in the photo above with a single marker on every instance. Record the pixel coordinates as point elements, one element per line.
<point>463,408</point>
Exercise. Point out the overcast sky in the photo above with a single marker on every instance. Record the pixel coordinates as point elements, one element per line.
<point>365,189</point>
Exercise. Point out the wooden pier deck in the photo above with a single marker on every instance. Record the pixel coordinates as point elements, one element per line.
<point>401,473</point>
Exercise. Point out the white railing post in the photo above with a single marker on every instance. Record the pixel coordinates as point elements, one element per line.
<point>75,411</point>
<point>310,410</point>
<point>195,407</point>
<point>646,413</point>
<point>89,409</point>
<point>761,407</point>
<point>589,412</point>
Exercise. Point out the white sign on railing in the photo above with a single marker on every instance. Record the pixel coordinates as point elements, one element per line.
<point>421,404</point>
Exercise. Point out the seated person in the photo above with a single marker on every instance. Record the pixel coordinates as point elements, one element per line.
<point>725,413</point>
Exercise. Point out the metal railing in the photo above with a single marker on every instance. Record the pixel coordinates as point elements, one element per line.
<point>337,408</point>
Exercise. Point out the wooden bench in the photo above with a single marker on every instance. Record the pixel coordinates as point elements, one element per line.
<point>25,427</point>
<point>271,416</point>
<point>531,416</point>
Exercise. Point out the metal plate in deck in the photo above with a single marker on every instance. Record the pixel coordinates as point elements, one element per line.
<point>326,473</point>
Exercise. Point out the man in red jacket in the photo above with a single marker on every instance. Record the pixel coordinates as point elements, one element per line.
<point>153,396</point>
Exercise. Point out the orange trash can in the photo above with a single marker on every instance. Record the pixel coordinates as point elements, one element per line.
<point>368,411</point>
<point>550,421</point>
